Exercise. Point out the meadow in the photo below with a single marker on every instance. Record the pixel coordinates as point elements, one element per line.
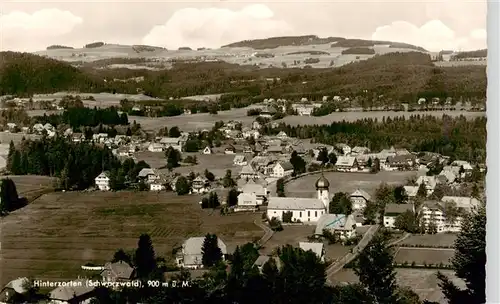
<point>424,256</point>
<point>59,232</point>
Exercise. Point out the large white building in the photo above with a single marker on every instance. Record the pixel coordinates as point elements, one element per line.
<point>435,212</point>
<point>192,254</point>
<point>305,210</point>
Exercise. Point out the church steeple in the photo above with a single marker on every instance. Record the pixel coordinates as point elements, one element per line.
<point>322,189</point>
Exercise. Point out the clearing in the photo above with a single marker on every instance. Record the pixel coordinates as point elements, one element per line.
<point>431,240</point>
<point>423,281</point>
<point>423,256</point>
<point>32,186</point>
<point>347,182</point>
<point>56,234</point>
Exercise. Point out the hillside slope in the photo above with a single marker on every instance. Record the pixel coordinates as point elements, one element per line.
<point>274,42</point>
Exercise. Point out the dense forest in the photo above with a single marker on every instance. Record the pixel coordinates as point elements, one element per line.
<point>274,42</point>
<point>76,165</point>
<point>396,76</point>
<point>77,117</point>
<point>359,51</point>
<point>457,137</point>
<point>471,54</point>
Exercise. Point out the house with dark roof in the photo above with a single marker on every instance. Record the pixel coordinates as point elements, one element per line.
<point>346,164</point>
<point>359,199</point>
<point>400,162</point>
<point>117,272</point>
<point>340,224</point>
<point>392,211</point>
<point>76,291</point>
<point>282,169</point>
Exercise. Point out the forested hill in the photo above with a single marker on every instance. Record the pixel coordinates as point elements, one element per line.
<point>274,42</point>
<point>397,76</point>
<point>24,73</point>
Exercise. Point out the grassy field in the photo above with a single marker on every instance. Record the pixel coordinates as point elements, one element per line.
<point>444,239</point>
<point>56,234</point>
<point>32,186</point>
<point>423,256</point>
<point>347,182</point>
<point>423,281</point>
<point>6,137</point>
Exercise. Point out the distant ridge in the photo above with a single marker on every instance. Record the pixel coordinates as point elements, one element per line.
<point>274,42</point>
<point>59,47</point>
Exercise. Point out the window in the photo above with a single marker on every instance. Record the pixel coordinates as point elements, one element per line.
<point>316,213</point>
<point>300,214</point>
<point>308,213</point>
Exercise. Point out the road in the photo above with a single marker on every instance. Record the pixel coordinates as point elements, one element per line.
<point>268,233</point>
<point>338,265</point>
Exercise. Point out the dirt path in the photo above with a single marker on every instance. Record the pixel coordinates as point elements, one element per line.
<point>337,266</point>
<point>404,237</point>
<point>268,233</point>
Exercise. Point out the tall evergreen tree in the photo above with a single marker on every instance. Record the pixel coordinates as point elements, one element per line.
<point>145,258</point>
<point>375,270</point>
<point>212,254</point>
<point>469,261</point>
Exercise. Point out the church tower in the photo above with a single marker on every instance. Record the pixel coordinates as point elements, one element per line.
<point>322,186</point>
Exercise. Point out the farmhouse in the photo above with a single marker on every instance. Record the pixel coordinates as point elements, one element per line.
<point>306,210</point>
<point>316,248</point>
<point>411,191</point>
<point>359,199</point>
<point>175,142</point>
<point>155,147</point>
<point>430,183</point>
<point>200,185</point>
<point>392,211</point>
<point>77,291</point>
<point>247,202</point>
<point>247,172</point>
<point>400,162</point>
<point>157,185</point>
<point>282,169</point>
<point>192,254</point>
<point>239,160</point>
<point>359,150</point>
<point>274,149</point>
<point>282,135</point>
<point>267,112</point>
<point>344,148</point>
<point>258,189</point>
<point>148,175</point>
<point>347,164</point>
<point>102,181</point>
<point>340,224</point>
<point>117,272</point>
<point>230,149</point>
<point>12,288</point>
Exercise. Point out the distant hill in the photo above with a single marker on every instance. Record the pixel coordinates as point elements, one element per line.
<point>471,54</point>
<point>359,51</point>
<point>24,73</point>
<point>274,42</point>
<point>59,47</point>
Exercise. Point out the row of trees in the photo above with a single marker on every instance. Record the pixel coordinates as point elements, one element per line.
<point>75,164</point>
<point>77,117</point>
<point>457,137</point>
<point>25,74</point>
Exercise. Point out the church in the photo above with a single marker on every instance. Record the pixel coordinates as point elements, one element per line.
<point>305,210</point>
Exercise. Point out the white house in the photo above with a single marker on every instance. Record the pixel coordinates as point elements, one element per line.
<point>247,172</point>
<point>102,181</point>
<point>200,185</point>
<point>392,211</point>
<point>359,199</point>
<point>346,149</point>
<point>316,248</point>
<point>157,185</point>
<point>339,224</point>
<point>155,147</point>
<point>259,189</point>
<point>175,142</point>
<point>305,210</point>
<point>282,135</point>
<point>191,255</point>
<point>247,202</point>
<point>430,183</point>
<point>282,169</point>
<point>239,160</point>
<point>207,150</point>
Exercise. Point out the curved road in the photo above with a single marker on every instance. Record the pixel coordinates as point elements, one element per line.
<point>338,265</point>
<point>268,233</point>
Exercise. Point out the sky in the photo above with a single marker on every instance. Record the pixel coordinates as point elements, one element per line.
<point>435,25</point>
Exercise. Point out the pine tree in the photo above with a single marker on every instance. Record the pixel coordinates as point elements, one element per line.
<point>469,261</point>
<point>212,254</point>
<point>145,259</point>
<point>375,269</point>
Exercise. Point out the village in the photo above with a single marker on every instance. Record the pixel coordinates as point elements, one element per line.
<point>255,177</point>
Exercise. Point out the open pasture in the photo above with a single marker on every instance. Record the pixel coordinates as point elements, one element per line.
<point>431,240</point>
<point>56,234</point>
<point>347,182</point>
<point>423,281</point>
<point>7,137</point>
<point>423,256</point>
<point>292,235</point>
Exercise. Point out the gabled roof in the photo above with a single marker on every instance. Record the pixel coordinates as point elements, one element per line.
<point>247,170</point>
<point>18,285</point>
<point>239,158</point>
<point>345,161</point>
<point>411,191</point>
<point>252,187</point>
<point>317,248</point>
<point>200,179</point>
<point>170,140</point>
<point>287,166</point>
<point>194,245</point>
<point>71,291</point>
<point>462,201</point>
<point>295,203</point>
<point>120,270</point>
<point>146,171</point>
<point>104,174</point>
<point>361,193</point>
<point>335,222</point>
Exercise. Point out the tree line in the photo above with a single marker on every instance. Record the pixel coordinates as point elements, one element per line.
<point>456,137</point>
<point>396,76</point>
<point>75,164</point>
<point>87,117</point>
